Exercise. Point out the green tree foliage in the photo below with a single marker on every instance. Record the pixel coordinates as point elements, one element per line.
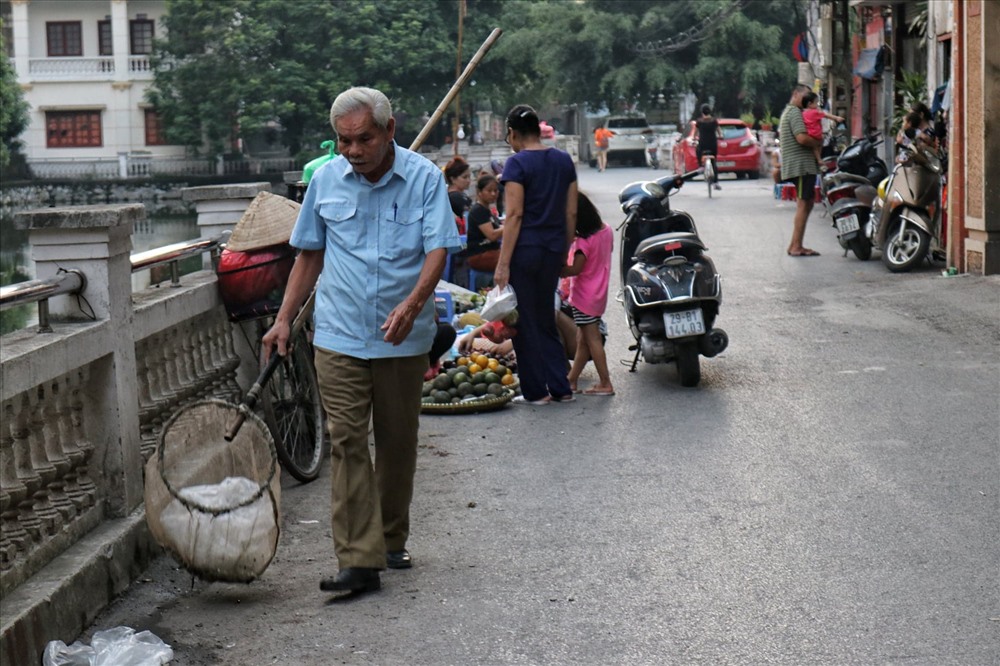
<point>240,65</point>
<point>13,109</point>
<point>244,65</point>
<point>745,63</point>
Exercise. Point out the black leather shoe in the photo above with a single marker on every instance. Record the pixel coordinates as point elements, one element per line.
<point>398,559</point>
<point>352,579</point>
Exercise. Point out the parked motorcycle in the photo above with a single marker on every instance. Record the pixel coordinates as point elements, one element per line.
<point>671,291</point>
<point>848,193</point>
<point>906,218</point>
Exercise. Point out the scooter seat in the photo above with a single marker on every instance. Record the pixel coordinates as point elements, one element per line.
<point>655,244</point>
<point>843,204</point>
<point>838,178</point>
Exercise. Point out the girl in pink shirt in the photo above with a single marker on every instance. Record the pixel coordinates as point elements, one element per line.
<point>590,270</point>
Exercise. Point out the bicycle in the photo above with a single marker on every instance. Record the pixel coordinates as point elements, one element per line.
<point>292,407</point>
<point>711,177</point>
<point>288,399</point>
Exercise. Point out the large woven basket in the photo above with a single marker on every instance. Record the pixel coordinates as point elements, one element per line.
<point>487,403</point>
<point>229,543</point>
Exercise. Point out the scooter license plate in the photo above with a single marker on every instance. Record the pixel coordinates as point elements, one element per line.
<point>847,224</point>
<point>684,323</point>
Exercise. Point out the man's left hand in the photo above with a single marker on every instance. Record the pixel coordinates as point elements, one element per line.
<point>399,323</point>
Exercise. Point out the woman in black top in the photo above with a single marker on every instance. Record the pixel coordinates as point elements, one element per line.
<point>458,175</point>
<point>484,231</point>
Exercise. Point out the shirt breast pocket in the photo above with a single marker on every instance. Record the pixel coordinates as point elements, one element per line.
<point>405,232</point>
<point>343,222</point>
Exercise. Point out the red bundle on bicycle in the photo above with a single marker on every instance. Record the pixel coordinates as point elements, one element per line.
<point>252,283</point>
<point>257,261</point>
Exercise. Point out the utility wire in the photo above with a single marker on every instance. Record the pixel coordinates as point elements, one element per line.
<point>688,37</point>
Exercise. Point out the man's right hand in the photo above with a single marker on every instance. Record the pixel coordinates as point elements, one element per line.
<point>277,336</point>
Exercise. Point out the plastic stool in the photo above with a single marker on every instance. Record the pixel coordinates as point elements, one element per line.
<point>474,274</point>
<point>447,276</point>
<point>443,305</point>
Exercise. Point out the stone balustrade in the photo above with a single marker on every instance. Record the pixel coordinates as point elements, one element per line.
<point>82,406</point>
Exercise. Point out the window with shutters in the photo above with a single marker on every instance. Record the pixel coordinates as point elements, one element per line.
<point>104,44</point>
<point>141,36</point>
<point>64,38</point>
<point>73,129</point>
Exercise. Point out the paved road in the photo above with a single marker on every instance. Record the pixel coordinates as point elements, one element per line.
<point>830,494</point>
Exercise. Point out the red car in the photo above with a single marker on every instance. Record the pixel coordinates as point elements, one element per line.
<point>739,151</point>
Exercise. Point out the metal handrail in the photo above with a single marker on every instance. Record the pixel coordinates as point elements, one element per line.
<point>73,282</point>
<point>40,291</point>
<point>172,254</point>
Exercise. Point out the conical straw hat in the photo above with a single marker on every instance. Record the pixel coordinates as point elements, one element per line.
<point>268,220</point>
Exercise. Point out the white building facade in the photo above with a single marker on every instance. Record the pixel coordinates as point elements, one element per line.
<point>84,68</point>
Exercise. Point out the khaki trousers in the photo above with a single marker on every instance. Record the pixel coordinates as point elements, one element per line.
<point>371,505</point>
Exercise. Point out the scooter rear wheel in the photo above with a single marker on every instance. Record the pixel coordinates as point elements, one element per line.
<point>688,364</point>
<point>861,247</point>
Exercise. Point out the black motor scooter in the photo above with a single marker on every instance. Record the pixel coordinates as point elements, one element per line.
<point>670,289</point>
<point>848,193</point>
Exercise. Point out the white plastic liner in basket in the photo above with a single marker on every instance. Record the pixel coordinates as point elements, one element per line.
<point>214,505</point>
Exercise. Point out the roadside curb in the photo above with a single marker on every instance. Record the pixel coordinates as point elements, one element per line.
<point>62,599</point>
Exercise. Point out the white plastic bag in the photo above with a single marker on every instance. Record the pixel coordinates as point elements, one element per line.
<point>240,540</point>
<point>499,303</point>
<point>120,646</point>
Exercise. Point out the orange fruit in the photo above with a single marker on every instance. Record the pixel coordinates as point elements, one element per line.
<point>492,364</point>
<point>474,368</point>
<point>507,379</point>
<point>481,360</point>
<point>463,360</point>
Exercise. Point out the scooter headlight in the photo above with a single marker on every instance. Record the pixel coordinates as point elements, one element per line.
<point>881,188</point>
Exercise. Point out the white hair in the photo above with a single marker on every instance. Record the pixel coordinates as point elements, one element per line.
<point>353,99</point>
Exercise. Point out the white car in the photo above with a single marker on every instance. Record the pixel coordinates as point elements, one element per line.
<point>629,142</point>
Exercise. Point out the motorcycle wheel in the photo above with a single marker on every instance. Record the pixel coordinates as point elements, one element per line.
<point>861,247</point>
<point>688,364</point>
<point>902,253</point>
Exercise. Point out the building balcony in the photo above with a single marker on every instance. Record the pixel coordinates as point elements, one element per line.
<point>87,69</point>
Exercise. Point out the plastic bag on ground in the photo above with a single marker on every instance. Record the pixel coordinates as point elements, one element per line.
<point>119,646</point>
<point>499,303</point>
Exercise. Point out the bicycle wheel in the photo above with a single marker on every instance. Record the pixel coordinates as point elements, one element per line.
<point>294,413</point>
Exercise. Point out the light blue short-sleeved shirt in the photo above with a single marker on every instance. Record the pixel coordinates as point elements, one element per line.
<point>375,237</point>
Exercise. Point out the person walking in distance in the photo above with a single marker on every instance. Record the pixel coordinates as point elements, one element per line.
<point>708,138</point>
<point>799,167</point>
<point>374,229</point>
<point>602,137</point>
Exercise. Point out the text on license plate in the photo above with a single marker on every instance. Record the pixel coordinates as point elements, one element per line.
<point>847,224</point>
<point>726,164</point>
<point>684,323</point>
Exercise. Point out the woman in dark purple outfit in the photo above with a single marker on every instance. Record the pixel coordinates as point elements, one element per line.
<point>540,195</point>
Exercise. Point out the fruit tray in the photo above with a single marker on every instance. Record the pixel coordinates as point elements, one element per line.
<point>486,403</point>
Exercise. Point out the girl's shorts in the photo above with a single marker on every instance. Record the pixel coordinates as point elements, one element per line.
<point>581,319</point>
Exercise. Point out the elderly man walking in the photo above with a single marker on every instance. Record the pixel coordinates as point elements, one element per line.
<point>374,230</point>
<point>799,167</point>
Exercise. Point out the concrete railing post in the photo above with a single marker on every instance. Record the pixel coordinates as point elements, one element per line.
<point>97,241</point>
<point>220,207</point>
